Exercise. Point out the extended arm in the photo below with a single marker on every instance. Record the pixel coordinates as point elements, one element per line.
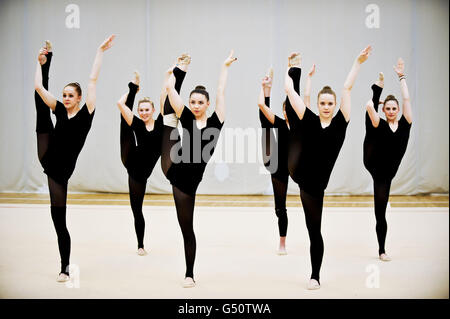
<point>91,95</point>
<point>373,114</point>
<point>351,77</point>
<point>307,95</point>
<point>124,110</point>
<point>163,95</point>
<point>400,70</point>
<point>46,96</point>
<point>174,98</point>
<point>220,99</point>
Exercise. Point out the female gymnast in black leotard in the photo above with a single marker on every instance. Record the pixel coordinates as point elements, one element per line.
<point>315,142</point>
<point>275,150</point>
<point>384,146</point>
<point>59,146</point>
<point>139,155</point>
<point>188,162</point>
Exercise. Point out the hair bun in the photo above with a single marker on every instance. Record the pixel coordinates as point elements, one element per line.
<point>326,87</point>
<point>200,87</point>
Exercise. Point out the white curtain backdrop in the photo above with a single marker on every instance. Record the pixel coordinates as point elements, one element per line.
<point>150,35</point>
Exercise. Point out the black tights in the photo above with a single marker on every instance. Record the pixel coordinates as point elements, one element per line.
<point>279,192</point>
<point>58,197</point>
<point>57,190</point>
<point>128,153</point>
<point>312,206</point>
<point>170,134</point>
<point>381,197</point>
<point>127,139</point>
<point>370,145</point>
<point>137,193</point>
<point>184,204</point>
<point>295,74</point>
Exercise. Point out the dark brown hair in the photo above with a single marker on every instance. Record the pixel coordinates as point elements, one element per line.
<point>327,90</point>
<point>201,90</point>
<point>76,86</point>
<point>390,98</point>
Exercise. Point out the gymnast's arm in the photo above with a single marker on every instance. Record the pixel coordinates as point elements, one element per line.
<point>373,114</point>
<point>400,70</point>
<point>307,94</point>
<point>263,94</point>
<point>174,98</point>
<point>45,95</point>
<point>91,95</point>
<point>220,99</point>
<point>127,114</point>
<point>351,77</point>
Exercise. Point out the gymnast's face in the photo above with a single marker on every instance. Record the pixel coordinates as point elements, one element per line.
<point>326,104</point>
<point>70,97</point>
<point>391,110</point>
<point>198,104</point>
<point>145,111</point>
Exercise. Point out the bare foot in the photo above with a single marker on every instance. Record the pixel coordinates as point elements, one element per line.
<point>141,252</point>
<point>137,79</point>
<point>313,284</point>
<point>380,81</point>
<point>188,282</point>
<point>183,61</point>
<point>282,248</point>
<point>48,45</point>
<point>62,278</point>
<point>295,60</point>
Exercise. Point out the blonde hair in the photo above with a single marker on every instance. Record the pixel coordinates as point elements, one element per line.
<point>146,100</point>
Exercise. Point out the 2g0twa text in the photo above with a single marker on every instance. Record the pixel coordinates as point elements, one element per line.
<point>233,308</point>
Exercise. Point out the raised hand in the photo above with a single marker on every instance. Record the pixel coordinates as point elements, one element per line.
<point>266,82</point>
<point>230,59</point>
<point>42,55</point>
<point>364,55</point>
<point>312,71</point>
<point>107,43</point>
<point>400,67</point>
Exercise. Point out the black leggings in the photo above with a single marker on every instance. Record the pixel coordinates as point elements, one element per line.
<point>170,134</point>
<point>57,190</point>
<point>184,204</point>
<point>137,193</point>
<point>127,152</point>
<point>312,206</point>
<point>370,152</point>
<point>279,193</point>
<point>58,196</point>
<point>381,197</point>
<point>381,186</point>
<point>269,146</point>
<point>295,74</point>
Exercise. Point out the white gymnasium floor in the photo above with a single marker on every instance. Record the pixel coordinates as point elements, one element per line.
<point>236,254</point>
